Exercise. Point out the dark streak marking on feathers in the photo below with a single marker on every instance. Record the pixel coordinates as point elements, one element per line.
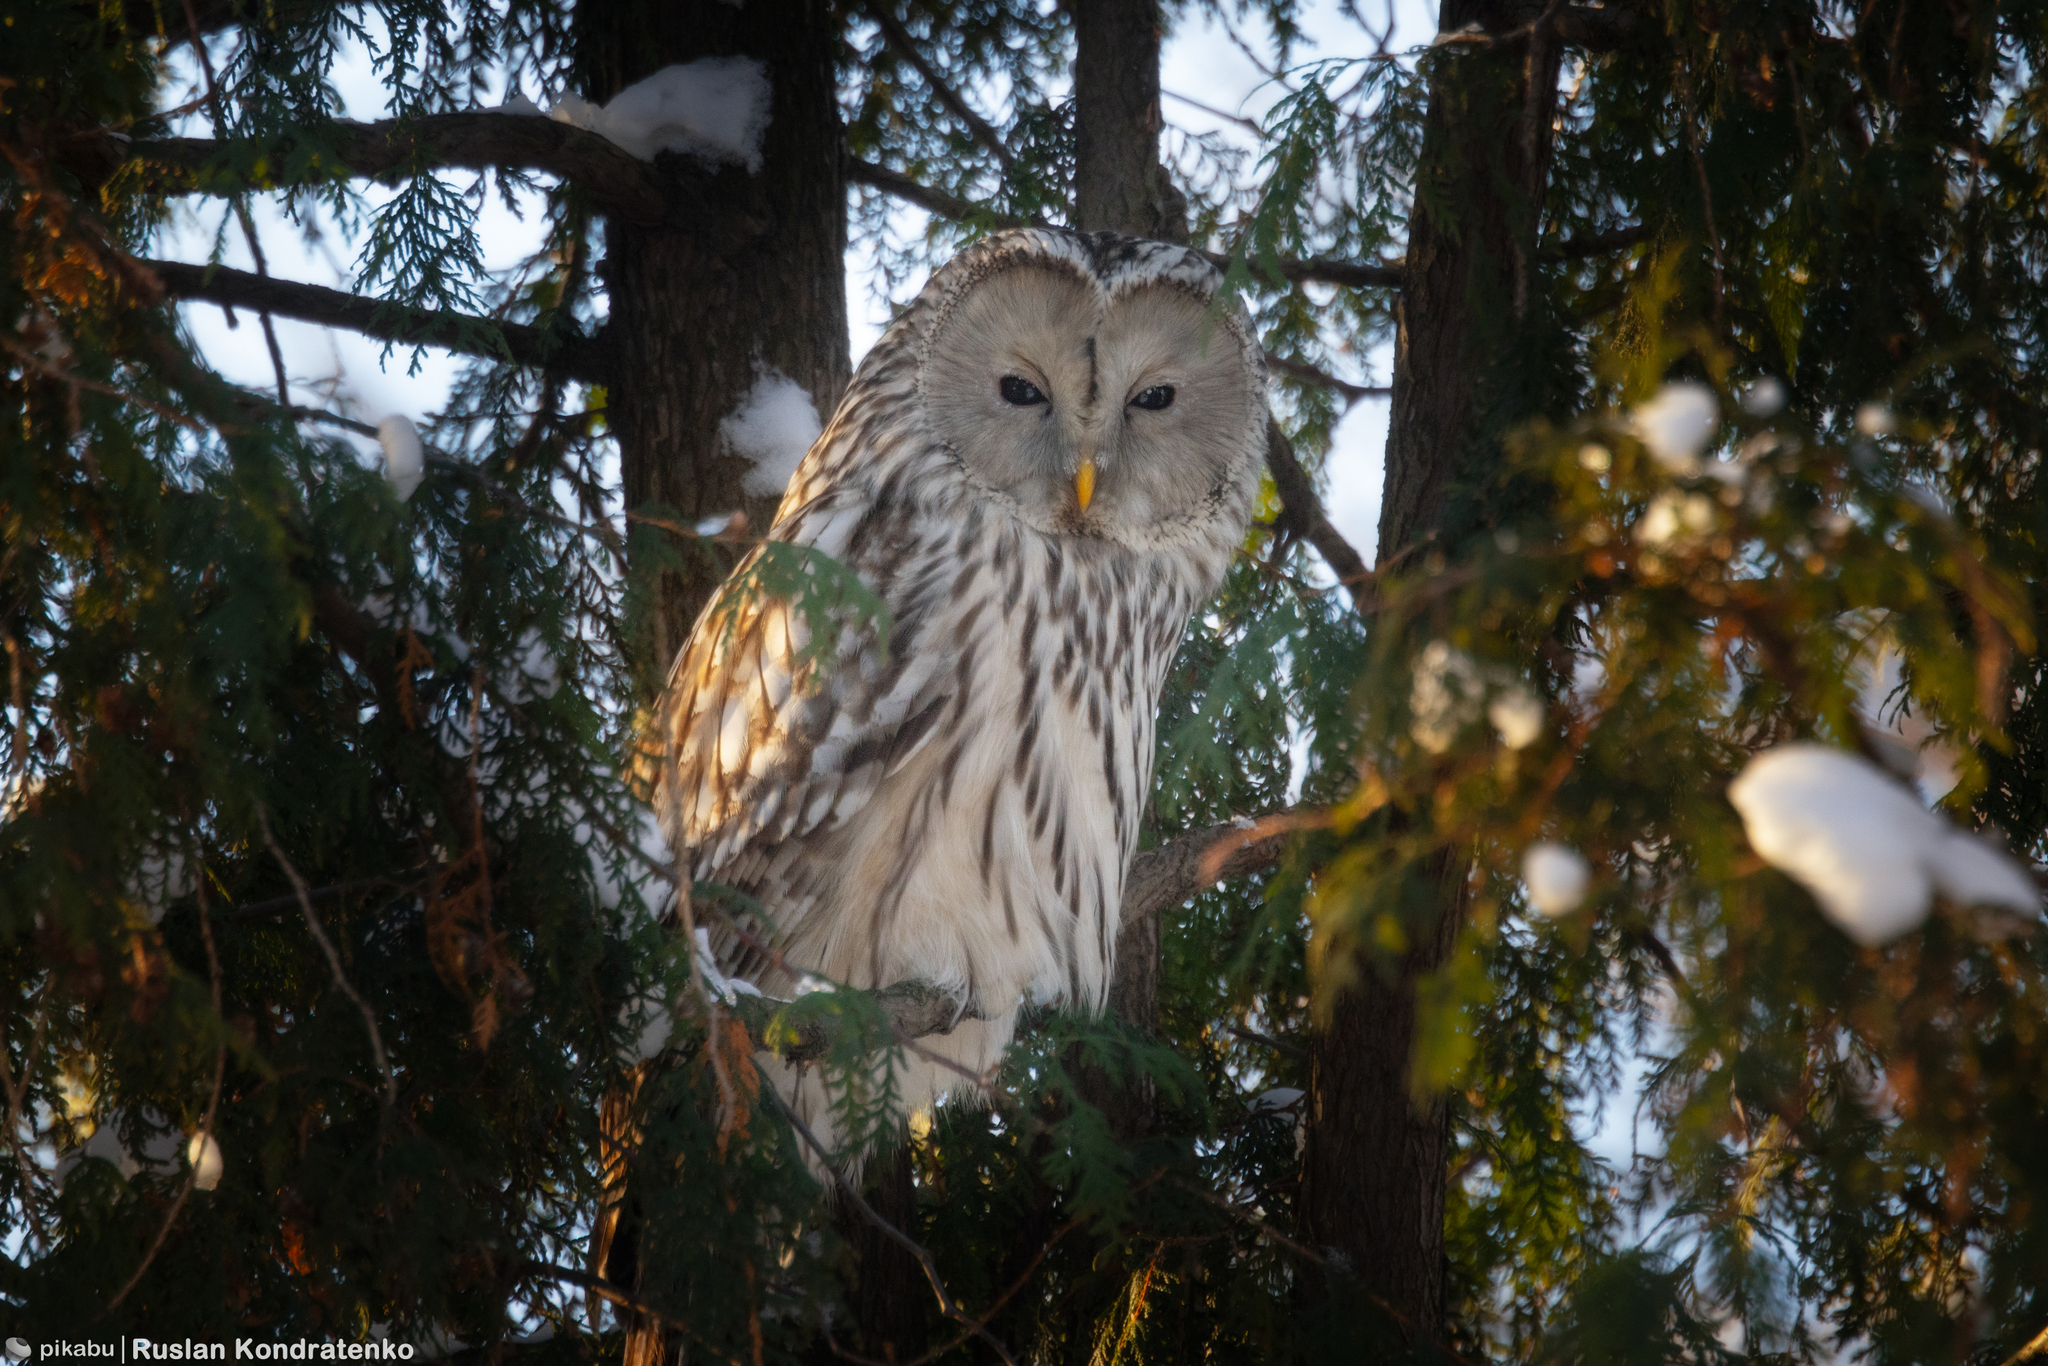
<point>988,839</point>
<point>1009,911</point>
<point>1024,745</point>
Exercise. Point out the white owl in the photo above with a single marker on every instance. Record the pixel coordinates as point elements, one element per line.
<point>1043,469</point>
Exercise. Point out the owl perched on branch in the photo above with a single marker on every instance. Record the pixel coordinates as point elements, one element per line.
<point>1042,470</point>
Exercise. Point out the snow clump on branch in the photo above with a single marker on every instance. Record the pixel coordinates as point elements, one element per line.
<point>1555,877</point>
<point>405,459</point>
<point>1871,855</point>
<point>1676,425</point>
<point>772,428</point>
<point>715,109</point>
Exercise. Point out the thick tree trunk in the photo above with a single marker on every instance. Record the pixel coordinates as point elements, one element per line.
<point>1374,1167</point>
<point>1120,186</point>
<point>747,276</point>
<point>753,278</point>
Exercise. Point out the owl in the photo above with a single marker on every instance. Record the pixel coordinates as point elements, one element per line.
<point>1042,469</point>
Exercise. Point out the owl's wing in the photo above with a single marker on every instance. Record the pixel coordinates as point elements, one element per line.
<point>763,747</point>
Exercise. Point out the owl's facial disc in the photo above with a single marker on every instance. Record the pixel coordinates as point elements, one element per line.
<point>1091,419</point>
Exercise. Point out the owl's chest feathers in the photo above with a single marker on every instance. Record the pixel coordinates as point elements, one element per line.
<point>992,859</point>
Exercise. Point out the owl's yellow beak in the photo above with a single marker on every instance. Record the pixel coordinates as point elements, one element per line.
<point>1084,482</point>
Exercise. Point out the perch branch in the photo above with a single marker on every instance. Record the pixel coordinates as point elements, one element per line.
<point>1180,868</point>
<point>578,357</point>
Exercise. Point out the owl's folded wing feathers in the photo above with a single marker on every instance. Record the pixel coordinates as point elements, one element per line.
<point>765,747</point>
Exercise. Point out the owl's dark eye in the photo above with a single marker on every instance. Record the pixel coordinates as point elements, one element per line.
<point>1153,399</point>
<point>1017,390</point>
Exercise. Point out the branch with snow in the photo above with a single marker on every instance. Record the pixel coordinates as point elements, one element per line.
<point>715,109</point>
<point>1872,856</point>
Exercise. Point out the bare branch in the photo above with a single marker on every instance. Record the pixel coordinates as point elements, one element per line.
<point>576,356</point>
<point>1301,514</point>
<point>619,183</point>
<point>899,38</point>
<point>936,202</point>
<point>1315,374</point>
<point>1315,269</point>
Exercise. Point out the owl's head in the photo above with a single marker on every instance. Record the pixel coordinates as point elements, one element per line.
<point>1091,383</point>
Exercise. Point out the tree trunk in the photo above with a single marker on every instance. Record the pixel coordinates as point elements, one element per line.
<point>1374,1167</point>
<point>747,275</point>
<point>752,276</point>
<point>1120,186</point>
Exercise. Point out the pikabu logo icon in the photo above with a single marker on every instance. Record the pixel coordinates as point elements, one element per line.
<point>18,1349</point>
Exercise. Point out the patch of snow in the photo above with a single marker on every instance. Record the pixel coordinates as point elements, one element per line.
<point>1518,715</point>
<point>653,1035</point>
<point>404,456</point>
<point>1765,398</point>
<point>773,427</point>
<point>204,1155</point>
<point>1872,856</point>
<point>650,841</point>
<point>516,103</point>
<point>715,109</point>
<point>1555,876</point>
<point>1677,424</point>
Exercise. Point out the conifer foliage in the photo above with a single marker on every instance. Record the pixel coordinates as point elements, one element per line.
<point>335,995</point>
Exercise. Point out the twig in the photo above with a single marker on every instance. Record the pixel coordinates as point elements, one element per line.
<point>1699,166</point>
<point>947,1304</point>
<point>578,357</point>
<point>2035,1350</point>
<point>333,959</point>
<point>1238,119</point>
<point>41,366</point>
<point>899,38</point>
<point>15,1092</point>
<point>220,1070</point>
<point>603,1289</point>
<point>1264,1229</point>
<point>240,204</point>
